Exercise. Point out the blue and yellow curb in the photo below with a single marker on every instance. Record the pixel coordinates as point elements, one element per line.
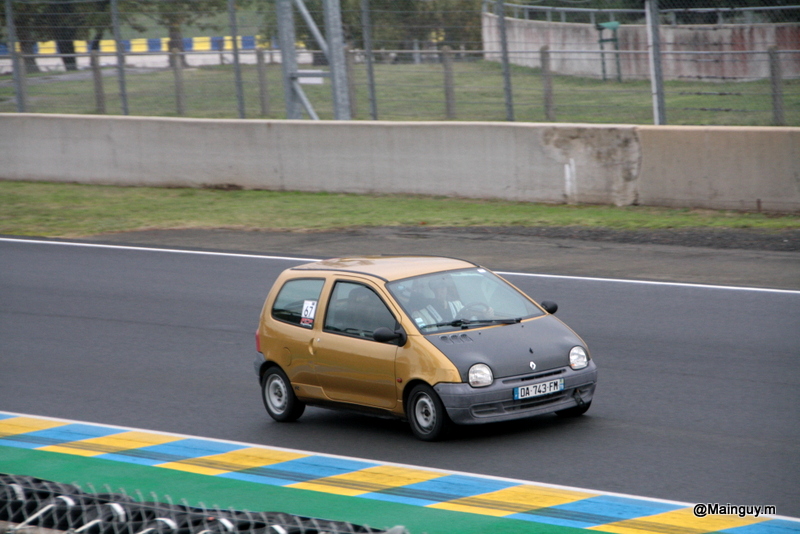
<point>143,45</point>
<point>376,482</point>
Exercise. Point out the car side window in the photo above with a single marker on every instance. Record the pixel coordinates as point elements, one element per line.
<point>297,301</point>
<point>356,310</point>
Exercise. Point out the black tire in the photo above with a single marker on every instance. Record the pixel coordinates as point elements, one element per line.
<point>278,396</point>
<point>575,411</point>
<point>426,414</point>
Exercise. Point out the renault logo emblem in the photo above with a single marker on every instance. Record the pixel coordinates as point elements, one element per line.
<point>533,366</point>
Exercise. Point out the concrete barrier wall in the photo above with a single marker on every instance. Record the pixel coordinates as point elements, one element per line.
<point>576,163</point>
<point>526,37</point>
<point>720,167</point>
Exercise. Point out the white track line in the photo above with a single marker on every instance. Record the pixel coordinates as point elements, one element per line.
<point>153,249</point>
<point>654,283</point>
<point>503,273</point>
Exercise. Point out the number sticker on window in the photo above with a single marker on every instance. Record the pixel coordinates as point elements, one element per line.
<point>309,310</point>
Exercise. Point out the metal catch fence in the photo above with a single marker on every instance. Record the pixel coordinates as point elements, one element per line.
<point>28,502</point>
<point>425,60</point>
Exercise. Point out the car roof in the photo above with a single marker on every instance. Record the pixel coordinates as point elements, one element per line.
<point>387,267</point>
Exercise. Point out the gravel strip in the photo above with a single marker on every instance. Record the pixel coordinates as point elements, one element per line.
<point>743,239</point>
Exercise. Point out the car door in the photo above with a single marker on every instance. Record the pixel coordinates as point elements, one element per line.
<point>287,337</point>
<point>351,366</point>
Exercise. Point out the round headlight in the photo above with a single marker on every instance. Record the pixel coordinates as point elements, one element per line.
<point>480,375</point>
<point>578,359</point>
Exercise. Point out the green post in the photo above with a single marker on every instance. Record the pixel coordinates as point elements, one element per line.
<point>612,25</point>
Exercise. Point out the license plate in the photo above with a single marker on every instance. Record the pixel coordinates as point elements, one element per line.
<point>536,390</point>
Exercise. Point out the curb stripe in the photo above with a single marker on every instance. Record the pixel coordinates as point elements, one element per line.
<point>446,490</point>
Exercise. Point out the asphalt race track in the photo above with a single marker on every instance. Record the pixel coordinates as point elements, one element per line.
<point>698,398</point>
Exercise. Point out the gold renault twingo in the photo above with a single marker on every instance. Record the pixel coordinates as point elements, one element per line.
<point>431,340</point>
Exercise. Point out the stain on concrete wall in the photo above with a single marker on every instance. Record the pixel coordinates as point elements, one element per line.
<point>600,165</point>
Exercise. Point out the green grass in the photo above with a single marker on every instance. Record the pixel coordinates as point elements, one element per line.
<point>71,210</point>
<point>416,92</point>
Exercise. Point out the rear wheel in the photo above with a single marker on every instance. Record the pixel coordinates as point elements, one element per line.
<point>279,399</point>
<point>426,414</point>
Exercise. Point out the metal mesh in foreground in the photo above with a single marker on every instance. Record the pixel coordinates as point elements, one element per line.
<point>28,503</point>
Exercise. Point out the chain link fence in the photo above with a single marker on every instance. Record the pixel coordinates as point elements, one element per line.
<point>51,508</point>
<point>722,63</point>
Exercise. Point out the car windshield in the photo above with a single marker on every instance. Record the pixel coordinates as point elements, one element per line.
<point>454,300</point>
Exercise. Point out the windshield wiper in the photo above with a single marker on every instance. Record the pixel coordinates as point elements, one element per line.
<point>510,320</point>
<point>465,323</point>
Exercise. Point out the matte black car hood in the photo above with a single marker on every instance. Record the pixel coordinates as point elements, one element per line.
<point>509,349</point>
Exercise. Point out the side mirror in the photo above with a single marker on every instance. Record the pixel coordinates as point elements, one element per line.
<point>549,306</point>
<point>385,335</point>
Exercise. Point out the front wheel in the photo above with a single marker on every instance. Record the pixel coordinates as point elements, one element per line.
<point>426,414</point>
<point>279,399</point>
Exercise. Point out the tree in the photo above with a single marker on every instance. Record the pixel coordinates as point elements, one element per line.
<point>454,22</point>
<point>25,16</point>
<point>175,16</point>
<point>396,24</point>
<point>62,21</point>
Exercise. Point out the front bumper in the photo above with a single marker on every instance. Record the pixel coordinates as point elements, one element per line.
<point>467,405</point>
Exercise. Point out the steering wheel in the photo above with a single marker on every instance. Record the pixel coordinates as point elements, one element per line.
<point>474,310</point>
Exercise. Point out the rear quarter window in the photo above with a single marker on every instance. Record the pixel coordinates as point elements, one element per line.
<point>297,301</point>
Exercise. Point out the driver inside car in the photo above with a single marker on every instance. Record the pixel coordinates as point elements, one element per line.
<point>445,304</point>
<point>442,308</point>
